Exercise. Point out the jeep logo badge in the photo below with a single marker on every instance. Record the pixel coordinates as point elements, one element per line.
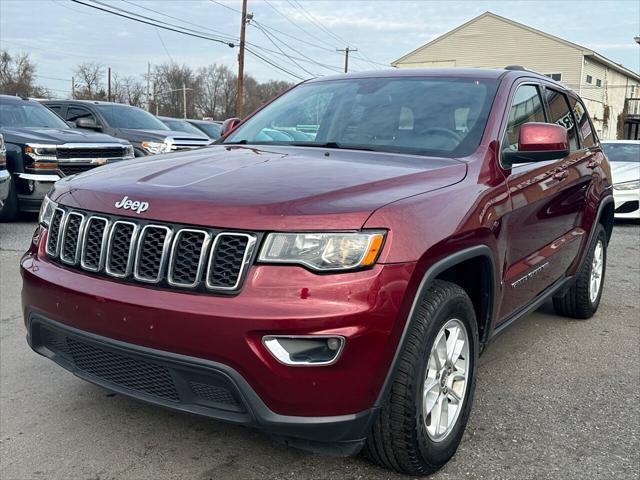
<point>136,206</point>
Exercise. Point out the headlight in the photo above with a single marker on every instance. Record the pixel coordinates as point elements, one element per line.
<point>128,153</point>
<point>632,185</point>
<point>46,211</point>
<point>155,147</point>
<point>41,152</point>
<point>323,251</point>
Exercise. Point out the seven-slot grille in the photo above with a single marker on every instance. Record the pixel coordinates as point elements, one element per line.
<point>159,254</point>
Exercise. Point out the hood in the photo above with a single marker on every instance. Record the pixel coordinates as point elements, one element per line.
<point>135,135</point>
<point>56,136</point>
<point>625,171</point>
<point>275,188</point>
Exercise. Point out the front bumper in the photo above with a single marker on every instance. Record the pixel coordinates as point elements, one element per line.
<point>32,188</point>
<point>221,336</point>
<point>627,203</point>
<point>188,384</point>
<point>5,178</point>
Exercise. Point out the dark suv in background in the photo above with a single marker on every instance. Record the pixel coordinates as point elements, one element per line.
<point>42,148</point>
<point>147,134</point>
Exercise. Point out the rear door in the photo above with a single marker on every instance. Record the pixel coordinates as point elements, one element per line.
<point>543,233</point>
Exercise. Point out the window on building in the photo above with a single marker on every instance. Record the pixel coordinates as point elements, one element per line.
<point>526,106</point>
<point>589,79</point>
<point>560,113</point>
<point>554,76</point>
<point>598,82</point>
<point>585,129</point>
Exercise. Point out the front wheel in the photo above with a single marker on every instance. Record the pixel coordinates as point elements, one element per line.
<point>422,421</point>
<point>581,301</point>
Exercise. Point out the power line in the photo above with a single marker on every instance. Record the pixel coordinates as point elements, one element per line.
<point>163,45</point>
<point>321,26</point>
<point>149,21</point>
<point>257,55</point>
<point>52,78</point>
<point>283,53</point>
<point>235,39</point>
<point>226,6</point>
<point>315,21</point>
<point>223,34</point>
<point>292,22</point>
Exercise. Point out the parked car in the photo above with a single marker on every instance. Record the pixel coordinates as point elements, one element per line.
<point>42,148</point>
<point>181,125</point>
<point>624,156</point>
<point>147,134</point>
<point>210,128</point>
<point>334,292</point>
<point>5,177</point>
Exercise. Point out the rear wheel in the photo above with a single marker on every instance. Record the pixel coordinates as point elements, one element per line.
<point>9,209</point>
<point>581,301</point>
<point>422,421</point>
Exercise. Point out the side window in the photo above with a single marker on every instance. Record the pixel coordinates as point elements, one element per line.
<point>560,113</point>
<point>584,125</point>
<point>74,113</point>
<point>526,107</point>
<point>56,108</point>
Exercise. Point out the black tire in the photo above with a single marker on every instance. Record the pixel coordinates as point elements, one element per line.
<point>9,210</point>
<point>576,301</point>
<point>398,439</point>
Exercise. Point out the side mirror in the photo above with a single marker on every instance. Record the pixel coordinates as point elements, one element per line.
<point>71,124</point>
<point>538,142</point>
<point>229,125</point>
<point>86,122</point>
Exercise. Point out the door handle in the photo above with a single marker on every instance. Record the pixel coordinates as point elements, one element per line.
<point>561,175</point>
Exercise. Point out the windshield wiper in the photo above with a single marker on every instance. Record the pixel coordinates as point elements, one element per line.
<point>337,145</point>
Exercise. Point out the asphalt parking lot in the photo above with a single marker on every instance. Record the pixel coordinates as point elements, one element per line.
<point>555,399</point>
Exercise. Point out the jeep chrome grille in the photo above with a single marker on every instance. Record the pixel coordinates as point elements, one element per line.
<point>140,251</point>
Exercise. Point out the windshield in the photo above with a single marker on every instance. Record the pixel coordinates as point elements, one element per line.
<point>29,114</point>
<point>123,116</point>
<point>212,130</point>
<point>429,116</point>
<point>622,152</point>
<point>181,126</point>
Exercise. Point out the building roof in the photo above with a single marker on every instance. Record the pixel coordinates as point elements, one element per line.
<point>587,52</point>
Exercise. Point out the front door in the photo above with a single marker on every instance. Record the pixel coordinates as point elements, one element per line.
<point>547,198</point>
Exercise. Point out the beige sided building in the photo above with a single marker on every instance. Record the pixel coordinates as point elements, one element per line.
<point>610,90</point>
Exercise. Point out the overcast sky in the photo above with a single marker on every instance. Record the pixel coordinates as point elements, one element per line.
<point>60,34</point>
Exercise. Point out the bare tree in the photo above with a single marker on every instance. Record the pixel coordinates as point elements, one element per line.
<point>128,90</point>
<point>169,79</point>
<point>89,79</point>
<point>17,76</point>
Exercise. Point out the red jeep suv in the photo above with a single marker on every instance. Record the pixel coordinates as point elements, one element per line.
<point>330,270</point>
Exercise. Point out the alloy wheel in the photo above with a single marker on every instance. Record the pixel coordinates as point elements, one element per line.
<point>445,384</point>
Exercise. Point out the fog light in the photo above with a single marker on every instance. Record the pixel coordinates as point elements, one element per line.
<point>305,350</point>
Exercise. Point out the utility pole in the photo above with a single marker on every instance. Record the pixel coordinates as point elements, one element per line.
<point>148,86</point>
<point>184,99</point>
<point>346,56</point>
<point>240,93</point>
<point>73,88</point>
<point>109,84</point>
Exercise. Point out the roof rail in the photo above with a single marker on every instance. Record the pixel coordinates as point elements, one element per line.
<point>515,67</point>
